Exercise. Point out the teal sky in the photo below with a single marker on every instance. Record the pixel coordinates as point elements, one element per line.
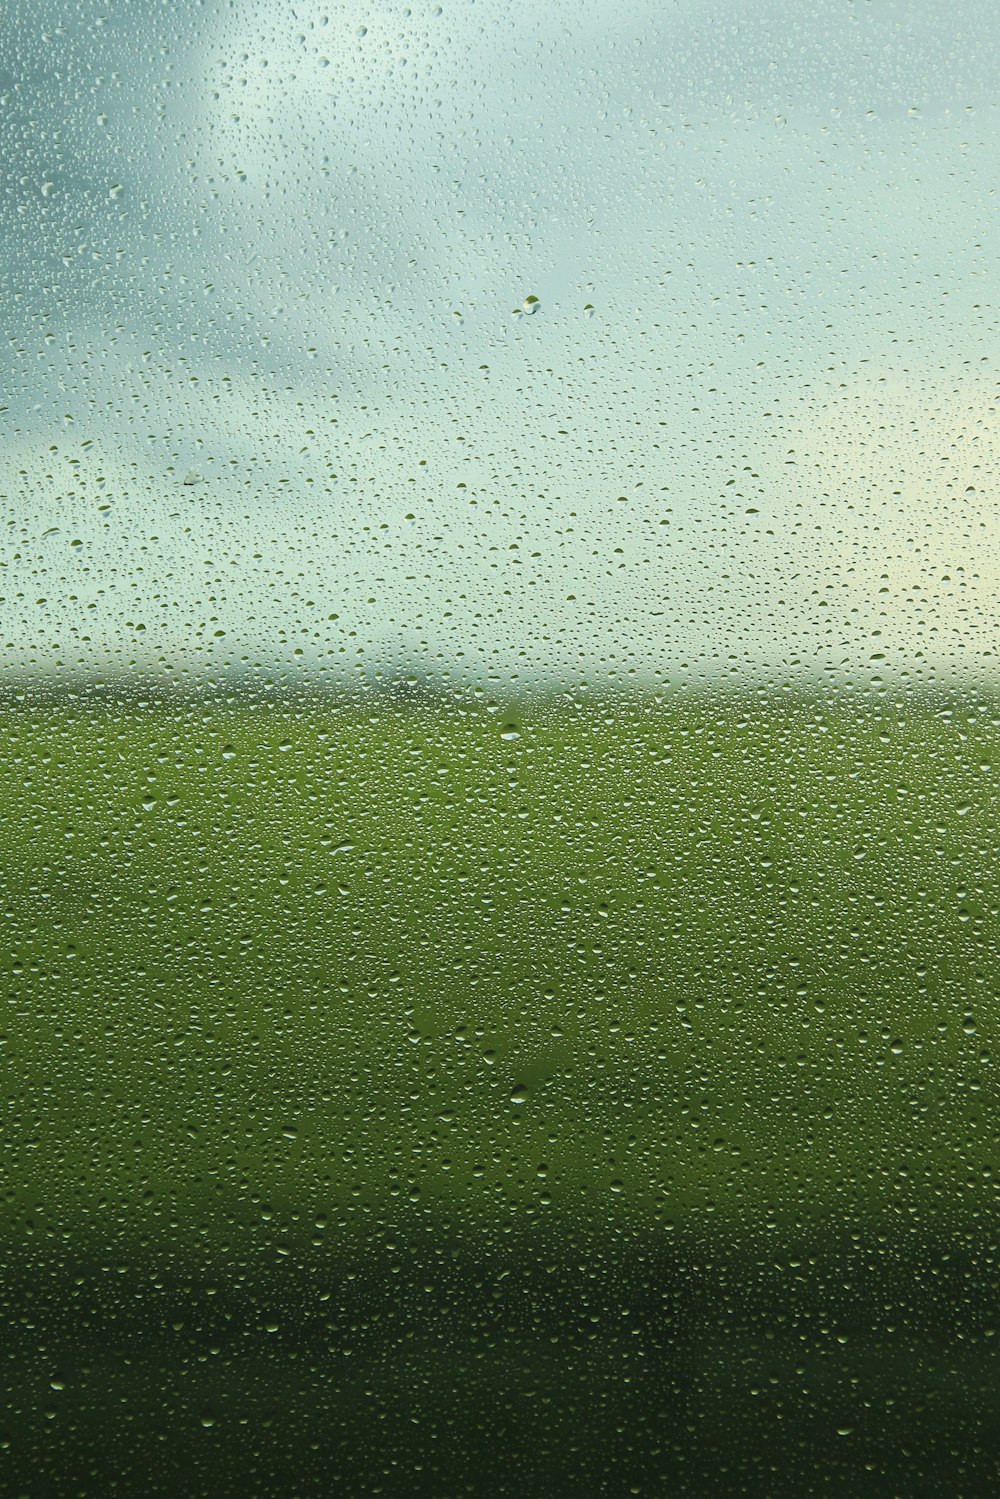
<point>278,250</point>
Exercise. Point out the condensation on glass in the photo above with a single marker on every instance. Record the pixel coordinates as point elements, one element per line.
<point>498,727</point>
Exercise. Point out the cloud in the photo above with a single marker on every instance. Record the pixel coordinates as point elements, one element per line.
<point>747,432</point>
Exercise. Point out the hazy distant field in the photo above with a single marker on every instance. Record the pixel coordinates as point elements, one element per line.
<point>277,975</point>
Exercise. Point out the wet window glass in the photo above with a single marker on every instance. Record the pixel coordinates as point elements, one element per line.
<point>498,744</point>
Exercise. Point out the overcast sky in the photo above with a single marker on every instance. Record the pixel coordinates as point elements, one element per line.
<point>281,251</point>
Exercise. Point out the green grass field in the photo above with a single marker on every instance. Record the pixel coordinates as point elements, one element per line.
<point>275,975</point>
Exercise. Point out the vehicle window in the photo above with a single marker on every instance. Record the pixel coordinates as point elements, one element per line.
<point>498,732</point>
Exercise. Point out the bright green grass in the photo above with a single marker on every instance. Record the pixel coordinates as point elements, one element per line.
<point>266,968</point>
